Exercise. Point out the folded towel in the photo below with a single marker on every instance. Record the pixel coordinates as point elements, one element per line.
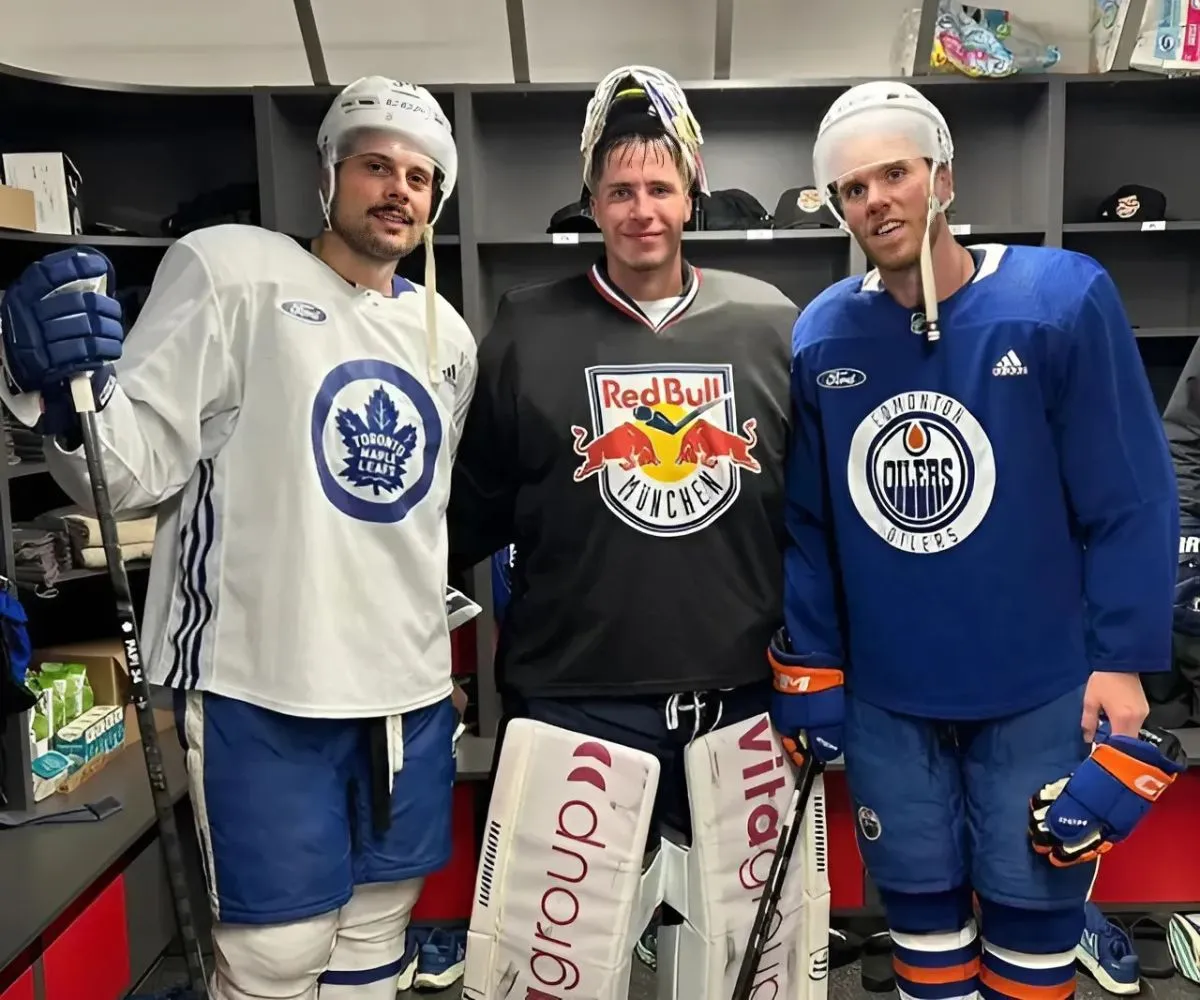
<point>93,557</point>
<point>84,530</point>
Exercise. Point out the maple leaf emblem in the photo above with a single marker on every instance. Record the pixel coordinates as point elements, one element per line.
<point>377,449</point>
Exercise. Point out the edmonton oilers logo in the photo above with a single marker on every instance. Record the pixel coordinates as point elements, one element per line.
<point>921,472</point>
<point>376,434</point>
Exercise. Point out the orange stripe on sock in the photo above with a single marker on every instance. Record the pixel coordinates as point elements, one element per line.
<point>1023,991</point>
<point>938,975</point>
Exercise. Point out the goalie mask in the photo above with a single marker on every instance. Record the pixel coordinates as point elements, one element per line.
<point>644,101</point>
<point>878,123</point>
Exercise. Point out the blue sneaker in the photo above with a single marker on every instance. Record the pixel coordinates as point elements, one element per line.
<point>413,939</point>
<point>1106,952</point>
<point>443,959</point>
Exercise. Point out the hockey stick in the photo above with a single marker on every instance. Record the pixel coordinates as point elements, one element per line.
<point>168,829</point>
<point>772,888</point>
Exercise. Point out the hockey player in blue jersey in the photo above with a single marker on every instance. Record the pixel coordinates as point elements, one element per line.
<point>982,521</point>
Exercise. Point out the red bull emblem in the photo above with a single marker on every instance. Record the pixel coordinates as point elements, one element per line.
<point>665,444</point>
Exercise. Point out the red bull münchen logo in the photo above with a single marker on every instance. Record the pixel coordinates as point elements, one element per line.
<point>665,446</point>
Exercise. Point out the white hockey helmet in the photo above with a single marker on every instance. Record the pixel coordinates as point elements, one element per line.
<point>412,118</point>
<point>877,123</point>
<point>666,113</point>
<point>407,111</point>
<point>874,123</point>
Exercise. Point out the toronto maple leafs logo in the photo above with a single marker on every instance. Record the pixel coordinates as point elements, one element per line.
<point>376,437</point>
<point>377,445</point>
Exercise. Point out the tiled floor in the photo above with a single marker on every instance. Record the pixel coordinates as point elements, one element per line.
<point>844,984</point>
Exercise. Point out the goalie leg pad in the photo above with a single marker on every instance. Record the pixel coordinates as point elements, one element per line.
<point>560,894</point>
<point>740,783</point>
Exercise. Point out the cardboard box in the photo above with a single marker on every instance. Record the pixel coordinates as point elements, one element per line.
<point>96,732</point>
<point>17,209</point>
<point>104,661</point>
<point>57,189</point>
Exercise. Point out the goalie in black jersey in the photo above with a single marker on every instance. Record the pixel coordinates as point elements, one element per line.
<point>628,436</point>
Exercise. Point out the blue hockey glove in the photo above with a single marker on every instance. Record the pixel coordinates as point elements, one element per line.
<point>1076,819</point>
<point>808,707</point>
<point>57,320</point>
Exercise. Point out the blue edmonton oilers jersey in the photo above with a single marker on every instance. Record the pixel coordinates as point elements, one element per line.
<point>977,523</point>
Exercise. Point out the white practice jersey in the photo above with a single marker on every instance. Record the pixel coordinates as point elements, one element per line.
<point>284,424</point>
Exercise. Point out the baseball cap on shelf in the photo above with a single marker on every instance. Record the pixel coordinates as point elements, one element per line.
<point>1133,203</point>
<point>802,208</point>
<point>573,218</point>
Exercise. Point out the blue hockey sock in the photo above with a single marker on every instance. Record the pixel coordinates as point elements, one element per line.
<point>1028,954</point>
<point>935,954</point>
<point>942,965</point>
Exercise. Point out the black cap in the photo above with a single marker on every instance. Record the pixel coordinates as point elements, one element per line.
<point>802,208</point>
<point>574,218</point>
<point>1133,203</point>
<point>631,113</point>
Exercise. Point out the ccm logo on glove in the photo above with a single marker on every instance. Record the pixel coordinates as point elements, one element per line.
<point>1145,779</point>
<point>808,707</point>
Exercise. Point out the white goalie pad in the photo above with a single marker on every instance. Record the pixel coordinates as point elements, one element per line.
<point>560,896</point>
<point>740,783</point>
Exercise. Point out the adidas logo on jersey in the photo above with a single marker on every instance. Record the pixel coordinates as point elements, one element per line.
<point>1010,364</point>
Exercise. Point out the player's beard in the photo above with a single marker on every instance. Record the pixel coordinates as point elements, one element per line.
<point>363,236</point>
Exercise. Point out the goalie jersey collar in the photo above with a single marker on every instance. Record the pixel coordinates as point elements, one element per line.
<point>598,276</point>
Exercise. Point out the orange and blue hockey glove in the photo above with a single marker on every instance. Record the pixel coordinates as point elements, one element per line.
<point>1078,818</point>
<point>808,706</point>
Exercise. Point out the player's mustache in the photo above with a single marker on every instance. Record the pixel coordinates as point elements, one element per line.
<point>398,209</point>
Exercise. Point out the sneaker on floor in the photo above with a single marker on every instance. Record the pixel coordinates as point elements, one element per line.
<point>414,937</point>
<point>1183,938</point>
<point>443,959</point>
<point>1106,952</point>
<point>646,948</point>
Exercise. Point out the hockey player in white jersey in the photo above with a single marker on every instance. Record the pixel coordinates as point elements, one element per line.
<point>291,413</point>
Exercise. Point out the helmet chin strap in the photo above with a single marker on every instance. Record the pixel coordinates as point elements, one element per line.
<point>431,342</point>
<point>933,331</point>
